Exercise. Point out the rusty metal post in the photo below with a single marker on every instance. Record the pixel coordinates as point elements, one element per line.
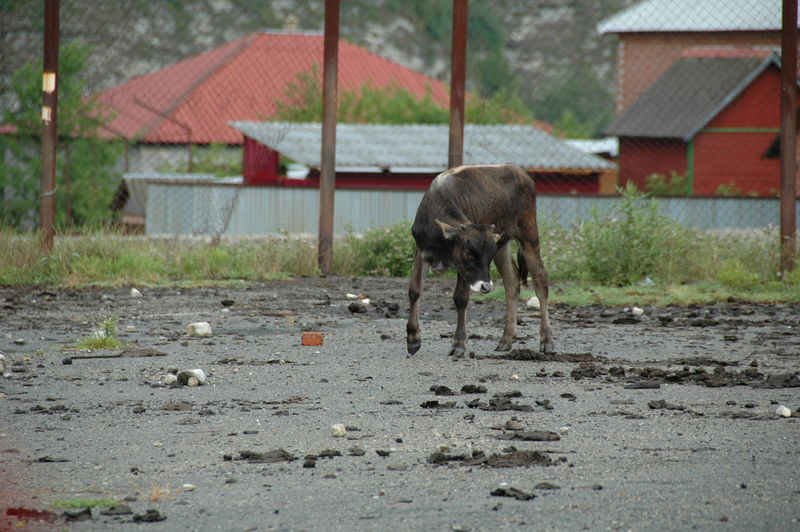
<point>458,70</point>
<point>47,182</point>
<point>327,167</point>
<point>788,199</point>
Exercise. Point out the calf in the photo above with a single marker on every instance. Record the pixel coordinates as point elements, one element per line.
<point>467,218</point>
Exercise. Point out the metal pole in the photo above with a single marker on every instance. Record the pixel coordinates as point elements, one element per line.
<point>47,183</point>
<point>327,180</point>
<point>458,69</point>
<point>788,218</point>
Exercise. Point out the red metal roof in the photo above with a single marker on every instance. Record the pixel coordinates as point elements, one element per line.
<point>193,100</point>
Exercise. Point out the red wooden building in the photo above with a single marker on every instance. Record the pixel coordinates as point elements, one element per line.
<point>409,156</point>
<point>711,116</point>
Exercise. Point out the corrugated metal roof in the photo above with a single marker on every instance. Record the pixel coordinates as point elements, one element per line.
<point>404,146</point>
<point>696,15</point>
<point>687,96</point>
<point>193,100</point>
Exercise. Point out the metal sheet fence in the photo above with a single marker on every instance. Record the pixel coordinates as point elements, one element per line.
<point>236,211</point>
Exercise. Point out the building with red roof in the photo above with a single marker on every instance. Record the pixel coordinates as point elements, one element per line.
<point>192,101</point>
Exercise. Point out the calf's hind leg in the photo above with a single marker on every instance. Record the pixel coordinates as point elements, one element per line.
<point>511,286</point>
<point>534,262</point>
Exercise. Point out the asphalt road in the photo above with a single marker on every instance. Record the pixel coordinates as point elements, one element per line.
<point>664,421</point>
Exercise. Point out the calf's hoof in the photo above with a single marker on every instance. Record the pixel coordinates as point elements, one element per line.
<point>547,346</point>
<point>457,352</point>
<point>503,346</point>
<point>413,346</point>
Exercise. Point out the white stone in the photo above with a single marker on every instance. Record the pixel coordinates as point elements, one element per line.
<point>188,487</point>
<point>135,293</point>
<point>563,430</point>
<point>2,365</point>
<point>200,328</point>
<point>192,377</point>
<point>338,430</point>
<point>636,311</point>
<point>130,328</point>
<point>783,411</point>
<point>514,377</point>
<point>169,380</point>
<point>533,303</point>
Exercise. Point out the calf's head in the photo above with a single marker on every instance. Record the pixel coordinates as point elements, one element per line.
<point>473,248</point>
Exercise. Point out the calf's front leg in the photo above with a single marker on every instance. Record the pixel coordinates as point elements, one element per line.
<point>461,299</point>
<point>415,286</point>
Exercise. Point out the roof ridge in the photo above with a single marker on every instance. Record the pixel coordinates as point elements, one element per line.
<point>246,41</point>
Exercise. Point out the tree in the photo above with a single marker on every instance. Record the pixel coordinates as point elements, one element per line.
<point>85,177</point>
<point>576,102</point>
<point>302,102</point>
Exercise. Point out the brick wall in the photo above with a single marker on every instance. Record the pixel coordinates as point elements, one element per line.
<point>643,57</point>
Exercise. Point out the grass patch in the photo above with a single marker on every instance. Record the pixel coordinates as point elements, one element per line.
<point>600,260</point>
<point>80,502</point>
<point>105,337</point>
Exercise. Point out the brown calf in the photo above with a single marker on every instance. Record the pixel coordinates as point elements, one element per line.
<point>466,219</point>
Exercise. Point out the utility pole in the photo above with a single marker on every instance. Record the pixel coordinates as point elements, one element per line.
<point>458,70</point>
<point>327,169</point>
<point>47,183</point>
<point>788,201</point>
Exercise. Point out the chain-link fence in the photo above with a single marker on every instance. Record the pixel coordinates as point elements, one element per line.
<point>678,98</point>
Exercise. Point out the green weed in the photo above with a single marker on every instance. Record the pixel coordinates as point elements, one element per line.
<point>80,502</point>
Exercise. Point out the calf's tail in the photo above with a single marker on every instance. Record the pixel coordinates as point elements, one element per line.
<point>522,267</point>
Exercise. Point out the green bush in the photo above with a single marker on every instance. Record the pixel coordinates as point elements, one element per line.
<point>384,251</point>
<point>631,241</point>
<point>733,274</point>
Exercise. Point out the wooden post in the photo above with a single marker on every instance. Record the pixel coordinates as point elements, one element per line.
<point>788,199</point>
<point>327,179</point>
<point>47,182</point>
<point>458,70</point>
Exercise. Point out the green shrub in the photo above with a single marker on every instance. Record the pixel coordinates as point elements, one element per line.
<point>734,275</point>
<point>631,241</point>
<point>674,184</point>
<point>384,251</point>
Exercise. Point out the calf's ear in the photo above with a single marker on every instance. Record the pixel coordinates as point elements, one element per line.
<point>447,230</point>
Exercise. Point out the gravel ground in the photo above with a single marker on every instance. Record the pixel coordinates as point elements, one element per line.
<point>660,421</point>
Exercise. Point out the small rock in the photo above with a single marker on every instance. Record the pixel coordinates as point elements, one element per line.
<point>194,376</point>
<point>188,487</point>
<point>150,516</point>
<point>338,430</point>
<point>357,307</point>
<point>200,328</point>
<point>783,411</point>
<point>78,515</point>
<point>19,341</point>
<point>514,377</point>
<point>2,365</point>
<point>117,509</point>
<point>135,293</point>
<point>514,425</point>
<point>169,380</point>
<point>533,303</point>
<point>636,311</point>
<point>131,329</point>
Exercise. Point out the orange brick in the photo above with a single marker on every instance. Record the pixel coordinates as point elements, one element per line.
<point>312,338</point>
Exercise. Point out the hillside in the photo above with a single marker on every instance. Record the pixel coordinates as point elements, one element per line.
<point>534,46</point>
